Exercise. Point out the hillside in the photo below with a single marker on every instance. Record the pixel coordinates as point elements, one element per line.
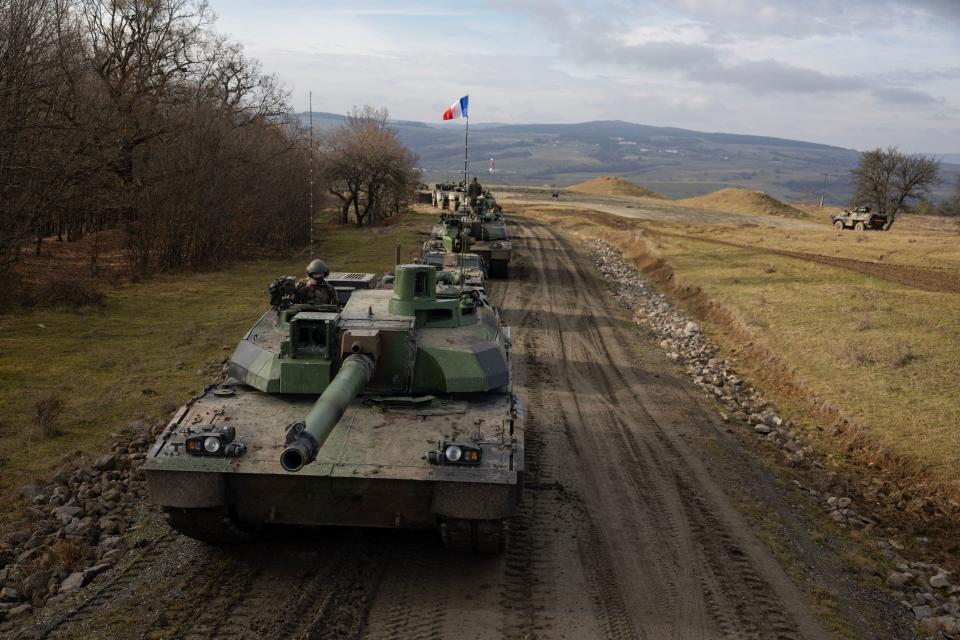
<point>610,186</point>
<point>743,201</point>
<point>678,163</point>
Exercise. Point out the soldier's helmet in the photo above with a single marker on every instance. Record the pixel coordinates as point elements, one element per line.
<point>318,267</point>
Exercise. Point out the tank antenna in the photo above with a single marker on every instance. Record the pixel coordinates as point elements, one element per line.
<point>311,173</point>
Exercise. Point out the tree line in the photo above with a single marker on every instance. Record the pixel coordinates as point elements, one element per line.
<point>138,116</point>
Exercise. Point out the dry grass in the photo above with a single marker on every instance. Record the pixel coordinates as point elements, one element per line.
<point>67,555</point>
<point>914,242</point>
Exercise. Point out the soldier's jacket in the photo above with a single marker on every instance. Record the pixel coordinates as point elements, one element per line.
<point>310,290</point>
<point>474,190</point>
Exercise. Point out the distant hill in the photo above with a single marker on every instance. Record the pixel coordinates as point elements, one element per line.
<point>743,201</point>
<point>609,186</point>
<point>677,163</point>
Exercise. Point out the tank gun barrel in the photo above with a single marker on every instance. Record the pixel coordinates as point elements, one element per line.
<point>305,438</point>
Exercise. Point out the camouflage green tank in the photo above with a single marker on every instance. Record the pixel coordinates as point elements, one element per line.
<point>457,269</point>
<point>450,235</point>
<point>328,412</point>
<point>486,231</point>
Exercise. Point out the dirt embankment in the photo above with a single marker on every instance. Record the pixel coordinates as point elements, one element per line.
<point>609,186</point>
<point>743,201</point>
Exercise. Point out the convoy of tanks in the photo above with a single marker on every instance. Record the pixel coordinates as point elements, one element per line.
<point>328,409</point>
<point>330,403</point>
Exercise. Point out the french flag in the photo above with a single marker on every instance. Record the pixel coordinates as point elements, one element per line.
<point>458,109</point>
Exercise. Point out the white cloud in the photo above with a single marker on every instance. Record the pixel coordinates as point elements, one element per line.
<point>859,73</point>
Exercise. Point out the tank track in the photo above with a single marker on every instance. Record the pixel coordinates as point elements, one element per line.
<point>213,526</point>
<point>473,536</point>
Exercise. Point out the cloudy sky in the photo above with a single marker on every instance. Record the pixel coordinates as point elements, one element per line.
<point>856,73</point>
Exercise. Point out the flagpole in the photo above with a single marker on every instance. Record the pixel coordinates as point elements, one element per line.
<point>466,139</point>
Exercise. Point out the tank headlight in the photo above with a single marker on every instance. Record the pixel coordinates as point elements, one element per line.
<point>215,441</point>
<point>453,453</point>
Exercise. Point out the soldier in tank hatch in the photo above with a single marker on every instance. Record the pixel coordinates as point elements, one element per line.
<point>474,191</point>
<point>315,288</point>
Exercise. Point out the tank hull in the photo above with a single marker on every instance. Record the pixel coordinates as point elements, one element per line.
<point>371,472</point>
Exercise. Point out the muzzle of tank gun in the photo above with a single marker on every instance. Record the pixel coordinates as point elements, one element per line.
<point>305,438</point>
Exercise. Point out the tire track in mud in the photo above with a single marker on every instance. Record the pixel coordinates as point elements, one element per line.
<point>551,506</point>
<point>650,555</point>
<point>415,569</point>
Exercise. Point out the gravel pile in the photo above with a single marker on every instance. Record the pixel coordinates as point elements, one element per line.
<point>925,589</point>
<point>76,527</point>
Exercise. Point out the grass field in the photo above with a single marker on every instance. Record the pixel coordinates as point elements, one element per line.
<point>886,354</point>
<point>154,344</point>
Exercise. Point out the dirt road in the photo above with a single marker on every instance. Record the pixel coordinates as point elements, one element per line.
<point>632,525</point>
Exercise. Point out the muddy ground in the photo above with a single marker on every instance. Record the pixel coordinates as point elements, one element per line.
<point>644,516</point>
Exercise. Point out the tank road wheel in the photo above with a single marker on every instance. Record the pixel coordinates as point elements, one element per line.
<point>214,526</point>
<point>858,226</point>
<point>473,536</point>
<point>838,225</point>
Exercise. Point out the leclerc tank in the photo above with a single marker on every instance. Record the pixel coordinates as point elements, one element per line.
<point>457,269</point>
<point>486,235</point>
<point>328,413</point>
<point>449,235</point>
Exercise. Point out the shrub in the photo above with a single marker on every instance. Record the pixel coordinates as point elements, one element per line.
<point>903,356</point>
<point>48,412</point>
<point>66,555</point>
<point>60,292</point>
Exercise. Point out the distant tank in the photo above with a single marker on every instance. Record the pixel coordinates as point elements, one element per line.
<point>328,415</point>
<point>489,204</point>
<point>457,269</point>
<point>448,195</point>
<point>486,231</point>
<point>859,219</point>
<point>450,235</point>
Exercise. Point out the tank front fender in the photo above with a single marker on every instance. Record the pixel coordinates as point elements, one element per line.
<point>475,500</point>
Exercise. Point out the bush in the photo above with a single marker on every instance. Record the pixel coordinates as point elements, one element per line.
<point>48,412</point>
<point>70,294</point>
<point>67,556</point>
<point>903,356</point>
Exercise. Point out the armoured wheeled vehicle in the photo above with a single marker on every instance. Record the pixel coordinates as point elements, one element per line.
<point>393,410</point>
<point>859,219</point>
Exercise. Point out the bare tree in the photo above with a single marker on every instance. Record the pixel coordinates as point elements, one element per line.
<point>367,166</point>
<point>886,179</point>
